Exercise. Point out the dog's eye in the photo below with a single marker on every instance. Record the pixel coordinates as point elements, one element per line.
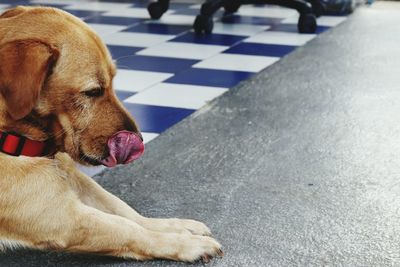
<point>96,92</point>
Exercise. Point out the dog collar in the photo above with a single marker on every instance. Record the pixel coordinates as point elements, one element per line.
<point>16,145</point>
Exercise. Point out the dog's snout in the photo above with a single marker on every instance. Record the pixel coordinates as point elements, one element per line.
<point>130,125</point>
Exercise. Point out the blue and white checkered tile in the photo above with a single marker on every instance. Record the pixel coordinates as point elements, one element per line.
<point>165,71</point>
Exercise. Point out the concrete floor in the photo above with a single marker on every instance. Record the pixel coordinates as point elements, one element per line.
<point>300,166</point>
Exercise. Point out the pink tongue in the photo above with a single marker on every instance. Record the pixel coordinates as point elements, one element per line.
<point>124,147</point>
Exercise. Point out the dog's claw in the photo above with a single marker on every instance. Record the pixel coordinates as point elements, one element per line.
<point>220,253</point>
<point>206,258</point>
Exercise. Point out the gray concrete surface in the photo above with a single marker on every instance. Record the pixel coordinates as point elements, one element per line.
<point>300,166</point>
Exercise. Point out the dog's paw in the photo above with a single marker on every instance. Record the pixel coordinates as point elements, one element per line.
<point>194,227</point>
<point>179,226</point>
<point>195,248</point>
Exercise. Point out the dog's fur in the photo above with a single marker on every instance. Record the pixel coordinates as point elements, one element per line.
<point>56,84</point>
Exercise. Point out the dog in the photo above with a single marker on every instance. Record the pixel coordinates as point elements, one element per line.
<point>57,107</point>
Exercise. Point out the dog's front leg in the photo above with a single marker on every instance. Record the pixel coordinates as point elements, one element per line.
<point>41,210</point>
<point>98,232</point>
<point>94,195</point>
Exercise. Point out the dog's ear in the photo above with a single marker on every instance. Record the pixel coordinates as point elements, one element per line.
<point>24,68</point>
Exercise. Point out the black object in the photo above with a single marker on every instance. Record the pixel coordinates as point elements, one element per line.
<point>157,9</point>
<point>308,10</point>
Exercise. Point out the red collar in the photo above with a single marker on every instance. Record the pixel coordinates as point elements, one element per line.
<point>16,145</point>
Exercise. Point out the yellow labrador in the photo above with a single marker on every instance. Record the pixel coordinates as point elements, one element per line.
<point>57,106</point>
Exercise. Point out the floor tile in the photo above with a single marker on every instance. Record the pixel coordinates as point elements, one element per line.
<point>84,13</point>
<point>179,4</point>
<point>183,50</point>
<point>173,19</point>
<point>177,95</point>
<point>60,6</point>
<point>195,6</point>
<point>104,29</point>
<point>159,64</point>
<point>293,28</point>
<point>147,137</point>
<point>156,119</point>
<point>207,77</point>
<point>270,50</point>
<point>98,6</point>
<point>114,20</point>
<point>291,20</point>
<point>132,12</point>
<point>136,39</point>
<point>140,3</point>
<point>173,5</point>
<point>214,39</point>
<point>16,2</point>
<point>64,2</point>
<point>136,81</point>
<point>194,12</point>
<point>266,11</point>
<point>159,28</point>
<point>118,51</point>
<point>122,95</point>
<point>238,29</point>
<point>4,6</point>
<point>236,19</point>
<point>283,38</point>
<point>237,62</point>
<point>28,2</point>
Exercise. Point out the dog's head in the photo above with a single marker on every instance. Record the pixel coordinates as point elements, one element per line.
<point>56,82</point>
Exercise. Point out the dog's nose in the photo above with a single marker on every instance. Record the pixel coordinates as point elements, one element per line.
<point>131,126</point>
<point>140,136</point>
<point>124,147</point>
